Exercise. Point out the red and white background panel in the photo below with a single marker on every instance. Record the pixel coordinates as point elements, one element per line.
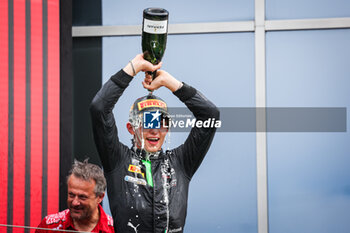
<point>29,112</point>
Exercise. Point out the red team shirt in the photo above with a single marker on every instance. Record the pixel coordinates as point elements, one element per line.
<point>63,221</point>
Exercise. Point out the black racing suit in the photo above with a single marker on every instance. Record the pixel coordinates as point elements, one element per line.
<point>135,205</point>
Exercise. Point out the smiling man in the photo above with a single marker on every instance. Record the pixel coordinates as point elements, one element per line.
<point>147,187</point>
<point>146,118</point>
<point>86,189</point>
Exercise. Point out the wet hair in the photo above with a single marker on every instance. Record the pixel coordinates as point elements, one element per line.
<point>88,171</point>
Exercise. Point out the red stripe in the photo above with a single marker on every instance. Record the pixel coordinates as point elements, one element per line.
<point>19,114</point>
<point>36,112</point>
<point>53,105</point>
<point>3,109</point>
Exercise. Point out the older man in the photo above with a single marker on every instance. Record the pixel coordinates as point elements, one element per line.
<point>86,189</point>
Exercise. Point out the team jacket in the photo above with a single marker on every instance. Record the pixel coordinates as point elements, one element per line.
<point>63,221</point>
<point>136,206</point>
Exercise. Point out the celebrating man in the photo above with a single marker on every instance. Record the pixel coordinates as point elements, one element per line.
<point>147,187</point>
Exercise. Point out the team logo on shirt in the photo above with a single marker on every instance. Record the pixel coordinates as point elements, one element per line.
<point>135,169</point>
<point>135,180</point>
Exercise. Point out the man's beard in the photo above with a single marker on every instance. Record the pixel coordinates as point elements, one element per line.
<point>86,213</point>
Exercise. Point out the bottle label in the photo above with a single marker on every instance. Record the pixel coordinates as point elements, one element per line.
<point>155,27</point>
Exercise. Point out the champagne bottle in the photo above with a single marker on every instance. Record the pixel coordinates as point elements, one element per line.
<point>154,34</point>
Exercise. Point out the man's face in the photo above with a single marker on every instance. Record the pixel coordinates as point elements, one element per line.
<point>154,138</point>
<point>82,200</point>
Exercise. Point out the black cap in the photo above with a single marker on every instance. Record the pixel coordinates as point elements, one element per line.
<point>147,103</point>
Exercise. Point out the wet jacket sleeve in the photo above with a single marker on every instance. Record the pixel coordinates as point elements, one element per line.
<point>103,123</point>
<point>192,152</point>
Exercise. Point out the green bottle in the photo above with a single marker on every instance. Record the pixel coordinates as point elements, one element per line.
<point>154,34</point>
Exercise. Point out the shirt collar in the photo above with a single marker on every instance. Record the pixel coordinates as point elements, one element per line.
<point>142,154</point>
<point>68,224</point>
<point>101,226</point>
